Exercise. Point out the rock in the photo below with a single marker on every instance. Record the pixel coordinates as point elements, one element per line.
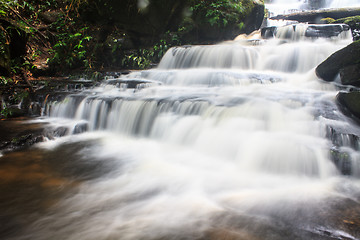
<point>326,30</point>
<point>342,160</point>
<point>349,103</point>
<point>312,30</point>
<point>330,68</point>
<point>80,128</point>
<point>210,23</point>
<point>268,32</point>
<point>316,16</point>
<point>255,18</point>
<point>350,75</point>
<point>140,19</point>
<point>353,22</point>
<point>50,16</point>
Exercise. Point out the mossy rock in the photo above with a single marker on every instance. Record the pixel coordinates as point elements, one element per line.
<point>350,75</point>
<point>327,20</point>
<point>218,20</point>
<point>349,103</point>
<point>351,21</point>
<point>330,68</point>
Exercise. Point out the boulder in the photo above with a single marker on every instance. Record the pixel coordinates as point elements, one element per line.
<point>255,18</point>
<point>349,104</point>
<point>329,69</point>
<point>326,30</point>
<point>350,75</point>
<point>213,22</point>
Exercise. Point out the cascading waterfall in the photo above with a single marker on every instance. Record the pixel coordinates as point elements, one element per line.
<point>232,137</point>
<point>342,3</point>
<point>277,7</point>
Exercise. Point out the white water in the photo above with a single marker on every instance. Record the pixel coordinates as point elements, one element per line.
<point>343,3</point>
<point>231,136</point>
<point>277,7</point>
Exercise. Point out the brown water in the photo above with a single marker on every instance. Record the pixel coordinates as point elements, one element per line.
<point>38,187</point>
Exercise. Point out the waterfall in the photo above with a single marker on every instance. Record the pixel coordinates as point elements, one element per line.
<point>238,139</point>
<point>342,3</point>
<point>260,95</point>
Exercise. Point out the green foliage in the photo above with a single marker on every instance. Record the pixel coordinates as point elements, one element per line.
<point>70,50</point>
<point>5,80</point>
<point>143,58</point>
<point>5,112</point>
<point>138,60</point>
<point>218,13</point>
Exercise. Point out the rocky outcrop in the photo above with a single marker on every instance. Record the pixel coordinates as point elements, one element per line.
<point>316,16</point>
<point>255,18</point>
<point>326,30</point>
<point>144,21</point>
<point>353,22</point>
<point>341,61</point>
<point>312,30</point>
<point>227,23</point>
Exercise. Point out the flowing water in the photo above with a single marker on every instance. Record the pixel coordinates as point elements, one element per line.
<point>288,6</point>
<point>229,141</point>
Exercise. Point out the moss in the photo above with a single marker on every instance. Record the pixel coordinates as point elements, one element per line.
<point>350,103</point>
<point>348,20</point>
<point>328,20</point>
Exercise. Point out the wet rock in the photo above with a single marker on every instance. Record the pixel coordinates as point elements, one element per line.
<point>341,138</point>
<point>349,104</point>
<point>312,30</point>
<point>268,32</point>
<point>329,69</point>
<point>353,22</point>
<point>342,160</point>
<point>350,75</point>
<point>132,83</point>
<point>58,132</point>
<point>80,128</point>
<point>326,30</point>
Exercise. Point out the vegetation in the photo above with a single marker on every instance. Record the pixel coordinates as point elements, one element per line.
<point>220,13</point>
<point>353,22</point>
<point>62,37</point>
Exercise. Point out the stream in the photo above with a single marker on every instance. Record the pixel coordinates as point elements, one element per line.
<point>239,140</point>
